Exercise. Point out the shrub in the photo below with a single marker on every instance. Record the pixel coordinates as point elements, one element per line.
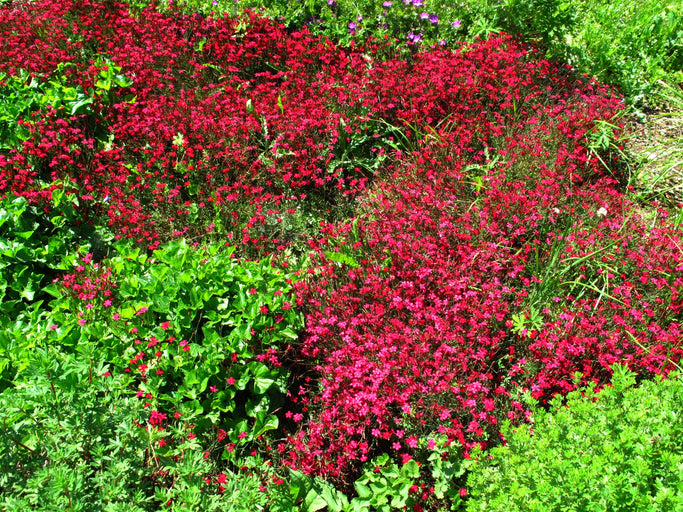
<point>619,449</point>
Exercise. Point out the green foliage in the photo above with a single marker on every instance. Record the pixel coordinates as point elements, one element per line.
<point>363,146</point>
<point>386,487</point>
<point>619,449</point>
<point>303,493</point>
<point>22,95</point>
<point>73,438</point>
<point>199,329</point>
<point>69,437</point>
<point>34,247</point>
<point>546,22</point>
<point>78,432</point>
<point>629,44</point>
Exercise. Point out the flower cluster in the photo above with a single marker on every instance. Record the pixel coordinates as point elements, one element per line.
<point>497,257</point>
<point>218,124</point>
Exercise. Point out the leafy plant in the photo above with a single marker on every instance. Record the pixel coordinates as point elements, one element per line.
<point>199,329</point>
<point>70,437</point>
<point>74,437</point>
<point>35,247</point>
<point>619,449</point>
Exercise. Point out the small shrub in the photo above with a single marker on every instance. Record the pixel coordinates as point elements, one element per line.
<point>620,449</point>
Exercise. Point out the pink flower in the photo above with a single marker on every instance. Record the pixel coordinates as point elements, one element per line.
<point>156,418</point>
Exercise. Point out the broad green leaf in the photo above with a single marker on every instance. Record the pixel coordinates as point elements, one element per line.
<point>410,469</point>
<point>362,490</point>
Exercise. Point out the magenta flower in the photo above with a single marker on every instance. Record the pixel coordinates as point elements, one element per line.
<point>352,26</point>
<point>456,24</point>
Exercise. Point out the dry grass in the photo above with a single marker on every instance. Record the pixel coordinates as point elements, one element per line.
<point>657,148</point>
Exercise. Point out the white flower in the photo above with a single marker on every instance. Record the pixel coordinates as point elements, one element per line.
<point>601,212</point>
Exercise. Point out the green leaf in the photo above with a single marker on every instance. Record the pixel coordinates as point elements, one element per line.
<point>313,502</point>
<point>161,303</point>
<point>289,333</point>
<point>24,234</point>
<point>263,378</point>
<point>362,490</point>
<point>336,501</point>
<point>271,423</point>
<point>340,257</point>
<point>410,469</point>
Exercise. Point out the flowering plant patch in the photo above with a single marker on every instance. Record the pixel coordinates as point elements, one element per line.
<point>470,276</point>
<point>458,237</point>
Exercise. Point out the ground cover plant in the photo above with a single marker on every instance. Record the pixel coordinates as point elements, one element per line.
<point>625,437</point>
<point>246,267</point>
<point>625,43</point>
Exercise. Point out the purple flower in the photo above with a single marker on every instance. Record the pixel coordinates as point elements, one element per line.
<point>415,38</point>
<point>331,3</point>
<point>352,26</point>
<point>456,24</point>
<point>433,18</point>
